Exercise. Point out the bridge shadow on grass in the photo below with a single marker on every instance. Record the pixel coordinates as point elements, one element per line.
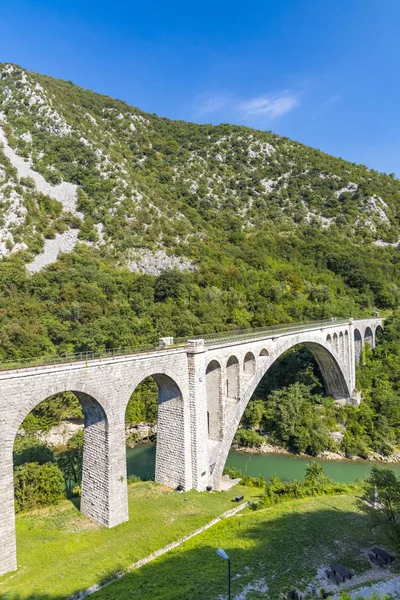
<point>281,547</point>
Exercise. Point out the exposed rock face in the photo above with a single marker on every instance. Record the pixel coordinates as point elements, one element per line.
<point>152,263</point>
<point>337,436</point>
<point>64,192</point>
<point>136,434</point>
<point>63,242</point>
<point>60,434</point>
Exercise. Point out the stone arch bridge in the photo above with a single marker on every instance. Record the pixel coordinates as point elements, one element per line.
<point>204,386</point>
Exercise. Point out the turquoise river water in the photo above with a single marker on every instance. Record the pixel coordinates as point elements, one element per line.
<point>141,462</point>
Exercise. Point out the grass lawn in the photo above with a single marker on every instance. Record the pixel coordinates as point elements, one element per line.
<point>61,552</point>
<point>280,547</point>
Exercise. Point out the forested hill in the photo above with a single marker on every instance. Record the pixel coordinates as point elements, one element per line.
<point>118,226</point>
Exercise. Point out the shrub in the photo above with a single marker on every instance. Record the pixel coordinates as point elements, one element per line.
<point>315,484</point>
<point>37,485</point>
<point>248,438</point>
<point>253,481</point>
<point>233,472</point>
<point>134,479</point>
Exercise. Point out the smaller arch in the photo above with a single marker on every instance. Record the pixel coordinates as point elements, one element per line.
<point>341,343</point>
<point>264,352</point>
<point>378,333</point>
<point>232,378</point>
<point>213,391</point>
<point>335,342</point>
<point>358,345</point>
<point>328,338</point>
<point>368,337</point>
<point>249,364</point>
<point>212,366</point>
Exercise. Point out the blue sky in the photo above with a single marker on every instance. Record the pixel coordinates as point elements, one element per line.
<point>324,72</point>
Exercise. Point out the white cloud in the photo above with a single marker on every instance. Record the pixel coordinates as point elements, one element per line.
<point>272,106</point>
<point>268,106</point>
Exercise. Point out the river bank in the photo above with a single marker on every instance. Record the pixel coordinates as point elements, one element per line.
<point>60,435</point>
<point>326,455</point>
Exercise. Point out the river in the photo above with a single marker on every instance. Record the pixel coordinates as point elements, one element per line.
<point>141,462</point>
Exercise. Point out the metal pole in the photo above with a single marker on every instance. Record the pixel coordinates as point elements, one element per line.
<point>229,579</point>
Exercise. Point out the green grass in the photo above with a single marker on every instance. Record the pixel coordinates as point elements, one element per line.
<point>61,552</point>
<point>285,545</point>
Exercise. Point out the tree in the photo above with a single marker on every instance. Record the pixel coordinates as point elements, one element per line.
<point>315,478</point>
<point>381,500</point>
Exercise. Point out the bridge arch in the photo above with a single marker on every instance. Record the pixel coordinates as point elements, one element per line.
<point>378,333</point>
<point>249,364</point>
<point>214,399</point>
<point>264,352</point>
<point>334,381</point>
<point>83,392</point>
<point>346,342</point>
<point>358,345</point>
<point>97,484</point>
<point>170,447</point>
<point>335,342</point>
<point>369,337</point>
<point>232,377</point>
<point>341,343</point>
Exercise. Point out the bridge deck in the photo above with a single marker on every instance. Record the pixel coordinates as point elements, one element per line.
<point>211,340</point>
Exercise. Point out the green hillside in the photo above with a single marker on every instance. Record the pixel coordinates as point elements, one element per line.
<point>174,228</point>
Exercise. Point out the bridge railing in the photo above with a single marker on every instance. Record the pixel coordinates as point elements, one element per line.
<point>56,359</point>
<point>258,332</point>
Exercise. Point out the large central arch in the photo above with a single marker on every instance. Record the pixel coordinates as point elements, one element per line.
<point>332,374</point>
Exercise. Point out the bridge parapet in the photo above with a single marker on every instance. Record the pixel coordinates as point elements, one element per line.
<point>167,344</point>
